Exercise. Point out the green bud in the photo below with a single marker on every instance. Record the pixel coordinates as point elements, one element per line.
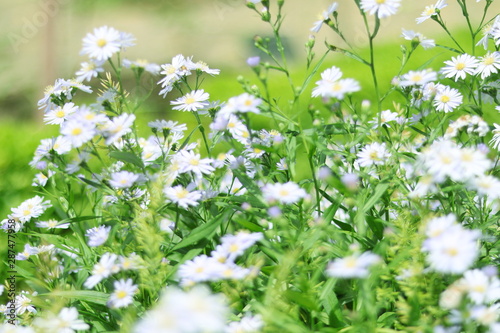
<point>266,16</point>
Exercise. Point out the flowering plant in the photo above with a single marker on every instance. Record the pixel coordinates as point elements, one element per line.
<point>379,216</point>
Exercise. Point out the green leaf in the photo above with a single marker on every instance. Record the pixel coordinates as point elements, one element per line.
<point>347,53</point>
<point>127,157</point>
<point>90,296</point>
<point>204,231</point>
<point>302,299</point>
<point>379,191</point>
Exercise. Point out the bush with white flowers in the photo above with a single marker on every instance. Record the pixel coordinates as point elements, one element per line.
<point>342,214</point>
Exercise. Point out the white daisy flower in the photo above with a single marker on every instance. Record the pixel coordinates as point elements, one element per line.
<point>31,208</point>
<point>117,127</point>
<point>454,251</point>
<point>287,193</point>
<point>488,64</point>
<point>89,70</point>
<point>353,266</point>
<point>419,38</point>
<point>23,304</point>
<point>323,17</point>
<point>52,224</point>
<point>105,267</point>
<point>188,161</point>
<point>418,78</point>
<point>480,287</point>
<point>495,141</point>
<point>247,324</point>
<point>373,154</point>
<point>169,125</point>
<point>66,321</point>
<point>192,101</point>
<point>203,67</point>
<point>123,179</point>
<point>143,65</point>
<point>27,252</point>
<point>102,44</point>
<point>383,8</point>
<point>242,103</point>
<point>195,310</point>
<point>431,10</point>
<point>78,132</point>
<point>181,196</point>
<point>123,294</point>
<point>336,89</point>
<point>486,185</point>
<point>60,114</point>
<point>447,99</point>
<point>460,66</point>
<point>97,235</point>
<point>199,269</point>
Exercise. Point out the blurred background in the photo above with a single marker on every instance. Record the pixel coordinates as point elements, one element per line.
<point>42,40</point>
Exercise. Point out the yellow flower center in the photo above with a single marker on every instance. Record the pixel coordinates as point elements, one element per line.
<point>284,193</point>
<point>416,78</point>
<point>101,42</point>
<point>336,87</point>
<point>488,61</point>
<point>182,193</point>
<point>460,66</point>
<point>452,252</point>
<point>248,102</point>
<point>121,294</point>
<point>445,99</point>
<point>60,114</point>
<point>194,162</point>
<point>350,262</point>
<point>189,100</point>
<point>380,1</point>
<point>76,131</point>
<point>26,212</point>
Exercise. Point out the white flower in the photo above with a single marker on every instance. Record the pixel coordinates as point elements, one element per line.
<point>486,315</point>
<point>418,78</point>
<point>143,64</point>
<point>52,224</point>
<point>102,44</point>
<point>203,67</point>
<point>66,321</point>
<point>123,294</point>
<point>454,251</point>
<point>447,99</point>
<point>242,103</point>
<point>188,161</point>
<point>495,141</point>
<point>331,84</point>
<point>123,179</point>
<point>373,154</point>
<point>89,70</point>
<point>418,37</point>
<point>234,245</point>
<point>488,64</point>
<point>201,268</point>
<point>353,266</point>
<point>117,127</point>
<point>192,101</point>
<point>196,310</point>
<point>247,324</point>
<point>460,66</point>
<point>97,235</point>
<point>77,131</point>
<point>104,268</point>
<point>323,17</point>
<point>31,208</point>
<point>181,196</point>
<point>431,10</point>
<point>287,193</point>
<point>168,125</point>
<point>486,185</point>
<point>481,288</point>
<point>383,8</point>
<point>59,115</point>
<point>23,304</point>
<point>28,251</point>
